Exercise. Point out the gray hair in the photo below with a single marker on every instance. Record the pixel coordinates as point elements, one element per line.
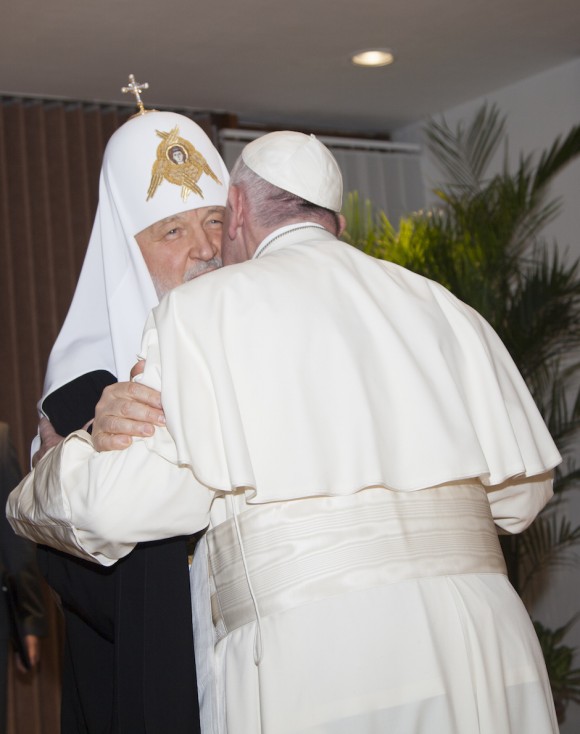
<point>273,207</point>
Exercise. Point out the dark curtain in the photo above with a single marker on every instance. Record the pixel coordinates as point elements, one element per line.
<point>50,158</point>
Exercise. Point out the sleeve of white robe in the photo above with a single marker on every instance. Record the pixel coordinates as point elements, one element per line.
<point>516,502</point>
<point>98,506</point>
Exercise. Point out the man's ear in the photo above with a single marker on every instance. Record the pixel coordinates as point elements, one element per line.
<point>341,225</point>
<point>236,210</point>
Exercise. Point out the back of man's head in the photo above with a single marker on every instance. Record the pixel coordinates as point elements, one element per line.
<point>290,176</point>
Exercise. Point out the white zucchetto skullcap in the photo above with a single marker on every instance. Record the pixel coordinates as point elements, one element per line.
<point>297,163</point>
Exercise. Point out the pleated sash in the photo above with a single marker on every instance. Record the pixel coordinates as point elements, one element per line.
<point>278,556</point>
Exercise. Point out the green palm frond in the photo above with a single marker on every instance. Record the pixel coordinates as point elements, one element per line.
<point>556,158</point>
<point>561,413</point>
<point>564,678</point>
<point>516,210</point>
<point>464,154</point>
<point>566,480</point>
<point>548,543</point>
<point>542,321</point>
<point>361,225</point>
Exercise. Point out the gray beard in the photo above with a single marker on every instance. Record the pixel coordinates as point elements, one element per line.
<point>201,267</point>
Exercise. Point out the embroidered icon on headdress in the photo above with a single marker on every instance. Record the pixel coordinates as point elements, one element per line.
<point>179,163</point>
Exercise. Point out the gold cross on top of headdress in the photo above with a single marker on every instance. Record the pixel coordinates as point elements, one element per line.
<point>136,88</point>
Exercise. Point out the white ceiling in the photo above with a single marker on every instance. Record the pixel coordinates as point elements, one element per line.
<point>284,63</point>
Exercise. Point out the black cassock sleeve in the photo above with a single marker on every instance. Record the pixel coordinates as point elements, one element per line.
<point>72,406</point>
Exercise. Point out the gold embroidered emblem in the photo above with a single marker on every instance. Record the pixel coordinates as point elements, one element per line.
<point>179,163</point>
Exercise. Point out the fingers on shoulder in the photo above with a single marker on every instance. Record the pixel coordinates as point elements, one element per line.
<point>145,394</point>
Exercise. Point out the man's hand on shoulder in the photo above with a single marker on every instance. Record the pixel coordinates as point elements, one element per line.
<point>126,409</point>
<point>48,438</point>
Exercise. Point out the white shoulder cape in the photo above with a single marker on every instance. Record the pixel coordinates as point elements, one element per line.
<point>317,370</point>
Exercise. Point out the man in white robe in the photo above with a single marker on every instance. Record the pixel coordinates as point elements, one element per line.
<point>354,435</point>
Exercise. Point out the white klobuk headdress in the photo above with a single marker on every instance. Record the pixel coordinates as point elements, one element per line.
<point>157,164</point>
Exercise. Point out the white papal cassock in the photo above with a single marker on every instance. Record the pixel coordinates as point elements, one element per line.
<point>354,436</point>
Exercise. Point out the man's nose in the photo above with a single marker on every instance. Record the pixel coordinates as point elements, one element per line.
<point>204,248</point>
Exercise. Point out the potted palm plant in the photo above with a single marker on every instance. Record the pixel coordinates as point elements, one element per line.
<point>483,240</point>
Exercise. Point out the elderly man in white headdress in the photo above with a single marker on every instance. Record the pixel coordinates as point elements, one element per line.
<point>128,647</point>
<point>355,436</point>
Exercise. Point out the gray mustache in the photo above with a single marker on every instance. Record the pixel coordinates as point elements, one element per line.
<point>203,267</point>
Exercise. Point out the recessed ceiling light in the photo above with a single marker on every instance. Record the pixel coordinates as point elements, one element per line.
<point>373,57</point>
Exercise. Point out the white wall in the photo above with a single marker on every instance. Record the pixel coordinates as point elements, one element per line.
<point>538,110</point>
